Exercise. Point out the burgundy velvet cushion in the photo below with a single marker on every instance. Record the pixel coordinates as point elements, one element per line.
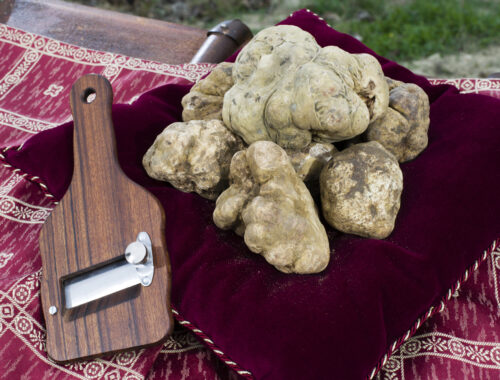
<point>339,323</point>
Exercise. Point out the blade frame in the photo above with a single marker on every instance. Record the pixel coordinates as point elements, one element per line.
<point>109,279</point>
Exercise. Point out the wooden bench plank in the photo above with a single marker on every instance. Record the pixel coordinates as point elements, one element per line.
<point>104,30</point>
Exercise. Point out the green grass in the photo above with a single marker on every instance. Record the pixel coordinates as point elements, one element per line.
<point>401,30</point>
<point>406,30</point>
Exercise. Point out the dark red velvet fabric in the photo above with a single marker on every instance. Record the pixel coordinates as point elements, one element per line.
<point>337,324</point>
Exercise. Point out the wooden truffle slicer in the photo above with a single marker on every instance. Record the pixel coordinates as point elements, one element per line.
<point>106,274</point>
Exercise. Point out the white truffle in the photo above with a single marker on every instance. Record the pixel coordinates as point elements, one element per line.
<point>270,205</point>
<point>309,161</point>
<point>204,100</point>
<point>193,156</point>
<point>361,190</point>
<point>403,129</point>
<point>289,90</point>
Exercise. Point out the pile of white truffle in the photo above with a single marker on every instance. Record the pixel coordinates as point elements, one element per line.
<point>256,130</point>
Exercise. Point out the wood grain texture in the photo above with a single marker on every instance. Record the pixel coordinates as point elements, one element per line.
<point>5,10</point>
<point>100,214</point>
<point>105,30</point>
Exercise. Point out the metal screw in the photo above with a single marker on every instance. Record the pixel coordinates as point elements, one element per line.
<point>52,310</point>
<point>135,253</point>
<point>146,281</point>
<point>143,236</point>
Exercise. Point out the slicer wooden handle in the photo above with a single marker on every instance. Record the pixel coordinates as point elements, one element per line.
<point>101,213</point>
<point>94,147</point>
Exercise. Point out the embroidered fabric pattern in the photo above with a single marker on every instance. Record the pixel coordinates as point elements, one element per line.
<point>39,65</point>
<point>36,45</point>
<point>489,87</point>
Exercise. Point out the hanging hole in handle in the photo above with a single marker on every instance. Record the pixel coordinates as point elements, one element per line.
<point>89,95</point>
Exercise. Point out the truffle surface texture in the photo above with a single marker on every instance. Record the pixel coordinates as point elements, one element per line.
<point>271,207</point>
<point>402,130</point>
<point>361,190</point>
<point>204,100</point>
<point>289,90</point>
<point>309,161</point>
<point>193,156</point>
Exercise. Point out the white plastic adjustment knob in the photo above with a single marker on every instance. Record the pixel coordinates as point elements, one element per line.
<point>135,253</point>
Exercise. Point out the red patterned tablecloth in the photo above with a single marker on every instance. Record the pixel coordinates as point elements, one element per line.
<point>36,74</point>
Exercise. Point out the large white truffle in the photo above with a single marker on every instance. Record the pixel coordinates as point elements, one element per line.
<point>361,189</point>
<point>289,90</point>
<point>193,156</point>
<point>270,205</point>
